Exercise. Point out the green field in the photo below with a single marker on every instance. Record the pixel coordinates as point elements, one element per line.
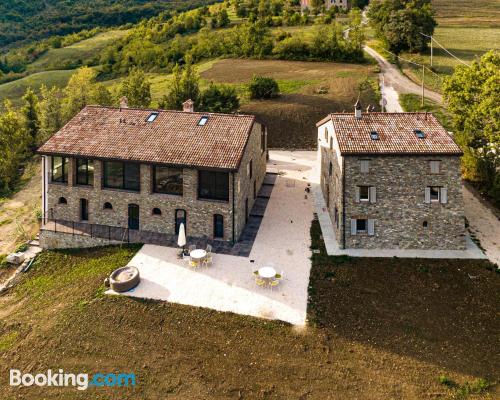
<point>14,90</point>
<point>467,29</point>
<point>77,54</point>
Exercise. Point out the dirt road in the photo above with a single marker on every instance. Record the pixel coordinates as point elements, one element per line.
<point>395,79</point>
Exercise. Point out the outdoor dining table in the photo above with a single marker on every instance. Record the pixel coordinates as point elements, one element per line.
<point>267,272</point>
<point>198,254</point>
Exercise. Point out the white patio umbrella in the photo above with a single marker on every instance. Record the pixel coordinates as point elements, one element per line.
<point>181,240</point>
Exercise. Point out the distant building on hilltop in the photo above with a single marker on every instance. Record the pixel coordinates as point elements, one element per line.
<point>328,4</point>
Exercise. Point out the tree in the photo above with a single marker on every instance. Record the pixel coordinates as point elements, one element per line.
<point>400,23</point>
<point>14,140</point>
<point>185,85</point>
<point>78,92</point>
<point>219,98</point>
<point>473,97</point>
<point>137,89</point>
<point>51,118</point>
<point>262,87</point>
<point>30,111</point>
<point>317,6</point>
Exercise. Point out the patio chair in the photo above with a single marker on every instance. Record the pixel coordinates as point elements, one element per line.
<point>255,273</point>
<point>194,263</point>
<point>279,276</point>
<point>260,282</point>
<point>274,283</point>
<point>209,249</point>
<point>191,247</point>
<point>207,261</point>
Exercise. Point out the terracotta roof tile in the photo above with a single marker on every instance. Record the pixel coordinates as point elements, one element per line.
<point>396,132</point>
<point>174,137</point>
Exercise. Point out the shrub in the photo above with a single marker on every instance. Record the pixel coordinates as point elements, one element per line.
<point>219,98</point>
<point>262,87</point>
<point>292,48</point>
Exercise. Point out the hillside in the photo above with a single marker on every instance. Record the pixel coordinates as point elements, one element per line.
<point>28,20</point>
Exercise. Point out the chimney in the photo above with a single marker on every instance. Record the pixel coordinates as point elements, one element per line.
<point>357,109</point>
<point>123,102</point>
<point>188,106</point>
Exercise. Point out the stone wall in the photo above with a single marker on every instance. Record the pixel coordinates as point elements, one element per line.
<point>244,185</point>
<point>57,240</point>
<point>331,186</point>
<point>199,212</point>
<point>400,212</point>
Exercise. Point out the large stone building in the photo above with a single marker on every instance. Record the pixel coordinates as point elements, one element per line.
<point>391,180</point>
<point>151,170</point>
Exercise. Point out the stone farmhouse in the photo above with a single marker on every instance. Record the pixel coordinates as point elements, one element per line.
<point>148,171</point>
<point>328,4</point>
<point>391,181</point>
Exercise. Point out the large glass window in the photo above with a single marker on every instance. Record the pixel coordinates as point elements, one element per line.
<point>59,169</point>
<point>167,180</point>
<point>213,185</point>
<point>121,175</point>
<point>218,226</point>
<point>84,171</point>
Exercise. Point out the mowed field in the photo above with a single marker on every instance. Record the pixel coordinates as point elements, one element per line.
<point>467,29</point>
<point>378,330</point>
<point>291,118</point>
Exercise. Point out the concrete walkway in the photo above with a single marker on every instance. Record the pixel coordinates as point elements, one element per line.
<point>333,248</point>
<point>282,241</point>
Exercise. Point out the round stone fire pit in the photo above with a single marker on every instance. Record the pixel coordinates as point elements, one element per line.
<point>123,279</point>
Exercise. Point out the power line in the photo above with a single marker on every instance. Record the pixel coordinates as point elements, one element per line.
<point>449,52</point>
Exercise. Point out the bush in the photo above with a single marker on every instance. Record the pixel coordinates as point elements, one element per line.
<point>262,87</point>
<point>219,98</point>
<point>292,48</point>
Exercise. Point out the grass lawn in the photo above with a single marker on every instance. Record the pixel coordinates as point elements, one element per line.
<point>379,329</point>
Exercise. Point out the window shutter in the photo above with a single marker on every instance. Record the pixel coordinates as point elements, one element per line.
<point>364,166</point>
<point>373,194</point>
<point>444,195</point>
<point>353,227</point>
<point>371,227</point>
<point>434,167</point>
<point>357,194</point>
<point>427,195</point>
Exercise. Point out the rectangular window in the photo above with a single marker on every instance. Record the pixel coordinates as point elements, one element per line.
<point>218,226</point>
<point>84,171</point>
<point>59,169</point>
<point>364,166</point>
<point>434,166</point>
<point>250,169</point>
<point>364,193</point>
<point>122,175</point>
<point>330,169</point>
<point>167,180</point>
<point>434,193</point>
<point>213,185</point>
<point>361,225</point>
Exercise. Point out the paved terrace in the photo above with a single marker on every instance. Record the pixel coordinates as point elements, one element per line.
<point>282,241</point>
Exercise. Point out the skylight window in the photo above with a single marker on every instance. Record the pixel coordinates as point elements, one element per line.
<point>374,135</point>
<point>203,120</point>
<point>152,117</point>
<point>419,133</point>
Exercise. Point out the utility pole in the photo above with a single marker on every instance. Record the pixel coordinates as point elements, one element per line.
<point>383,90</point>
<point>423,86</point>
<point>432,51</point>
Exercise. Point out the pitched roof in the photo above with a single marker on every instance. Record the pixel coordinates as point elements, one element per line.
<point>174,137</point>
<point>396,134</point>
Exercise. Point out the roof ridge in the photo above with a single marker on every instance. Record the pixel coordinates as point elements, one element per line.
<point>169,111</point>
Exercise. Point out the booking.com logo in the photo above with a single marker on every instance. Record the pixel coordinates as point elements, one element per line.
<point>64,379</point>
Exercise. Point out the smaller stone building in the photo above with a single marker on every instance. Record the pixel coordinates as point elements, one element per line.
<point>148,171</point>
<point>345,4</point>
<point>391,181</point>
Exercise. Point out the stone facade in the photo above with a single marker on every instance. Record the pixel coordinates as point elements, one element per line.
<point>328,4</point>
<point>199,212</point>
<point>402,217</point>
<point>58,240</point>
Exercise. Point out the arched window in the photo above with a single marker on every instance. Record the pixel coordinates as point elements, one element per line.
<point>107,206</point>
<point>62,200</point>
<point>180,218</point>
<point>218,226</point>
<point>156,211</point>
